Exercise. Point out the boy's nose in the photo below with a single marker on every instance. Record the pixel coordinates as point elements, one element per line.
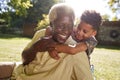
<point>80,32</point>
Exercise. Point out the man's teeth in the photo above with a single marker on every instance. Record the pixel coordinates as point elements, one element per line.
<point>63,36</point>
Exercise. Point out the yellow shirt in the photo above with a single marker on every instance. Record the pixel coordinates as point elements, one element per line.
<point>43,67</point>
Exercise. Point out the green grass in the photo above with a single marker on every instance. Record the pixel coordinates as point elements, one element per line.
<point>106,59</point>
<point>106,62</point>
<point>11,47</point>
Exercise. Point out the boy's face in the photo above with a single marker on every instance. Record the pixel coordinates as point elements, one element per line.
<point>62,28</point>
<point>84,31</point>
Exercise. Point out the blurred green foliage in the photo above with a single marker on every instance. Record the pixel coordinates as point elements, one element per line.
<point>43,23</point>
<point>26,11</point>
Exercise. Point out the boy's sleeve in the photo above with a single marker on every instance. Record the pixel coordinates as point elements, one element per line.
<point>91,43</point>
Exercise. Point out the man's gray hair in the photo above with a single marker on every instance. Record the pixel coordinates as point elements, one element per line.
<point>60,9</point>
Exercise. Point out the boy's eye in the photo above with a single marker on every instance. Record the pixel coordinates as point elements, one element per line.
<point>84,31</point>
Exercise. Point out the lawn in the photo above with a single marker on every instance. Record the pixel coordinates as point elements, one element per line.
<point>106,59</point>
<point>106,63</point>
<point>11,47</point>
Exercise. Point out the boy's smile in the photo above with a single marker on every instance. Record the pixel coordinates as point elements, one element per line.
<point>84,31</point>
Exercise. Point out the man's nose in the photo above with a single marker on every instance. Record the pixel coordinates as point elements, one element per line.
<point>66,30</point>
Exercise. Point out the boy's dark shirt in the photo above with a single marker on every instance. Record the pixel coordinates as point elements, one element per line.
<point>91,43</point>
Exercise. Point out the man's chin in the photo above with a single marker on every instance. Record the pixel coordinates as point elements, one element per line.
<point>61,41</point>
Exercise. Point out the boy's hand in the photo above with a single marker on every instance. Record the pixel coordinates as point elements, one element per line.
<point>53,53</point>
<point>28,56</point>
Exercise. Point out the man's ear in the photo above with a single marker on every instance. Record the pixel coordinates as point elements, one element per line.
<point>51,24</point>
<point>52,27</point>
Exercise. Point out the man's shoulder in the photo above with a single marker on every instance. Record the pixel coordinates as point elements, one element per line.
<point>40,32</point>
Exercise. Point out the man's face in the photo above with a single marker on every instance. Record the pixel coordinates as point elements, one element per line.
<point>62,28</point>
<point>84,31</point>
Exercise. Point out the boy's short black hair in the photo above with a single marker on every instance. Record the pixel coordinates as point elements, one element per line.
<point>92,17</point>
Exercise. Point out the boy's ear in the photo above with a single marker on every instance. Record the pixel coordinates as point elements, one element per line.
<point>94,33</point>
